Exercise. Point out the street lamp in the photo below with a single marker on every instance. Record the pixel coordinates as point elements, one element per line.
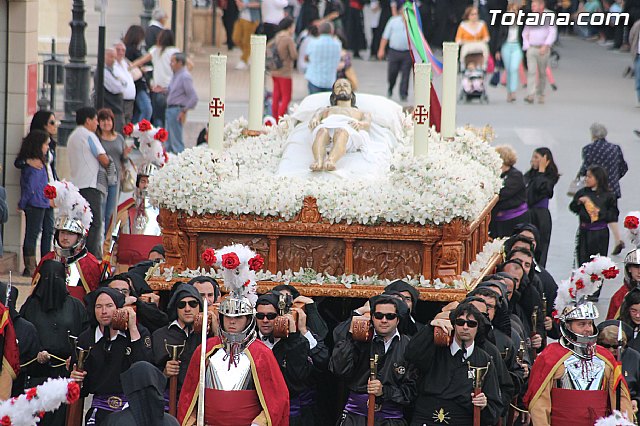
<point>174,17</point>
<point>101,7</point>
<point>77,73</point>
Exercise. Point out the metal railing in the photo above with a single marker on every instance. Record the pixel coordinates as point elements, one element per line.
<point>51,77</point>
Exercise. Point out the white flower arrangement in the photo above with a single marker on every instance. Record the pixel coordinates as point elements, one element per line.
<point>456,180</point>
<point>311,277</point>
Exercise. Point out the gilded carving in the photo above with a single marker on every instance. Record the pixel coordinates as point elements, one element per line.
<point>321,254</point>
<point>309,212</point>
<point>387,259</point>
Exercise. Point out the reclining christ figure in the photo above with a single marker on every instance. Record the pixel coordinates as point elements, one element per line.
<point>339,128</point>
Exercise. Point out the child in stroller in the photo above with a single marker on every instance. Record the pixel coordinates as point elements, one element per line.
<point>473,64</point>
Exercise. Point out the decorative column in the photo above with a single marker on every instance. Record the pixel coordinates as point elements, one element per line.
<point>145,16</point>
<point>449,89</point>
<point>422,100</point>
<point>256,89</point>
<point>217,92</point>
<point>76,75</point>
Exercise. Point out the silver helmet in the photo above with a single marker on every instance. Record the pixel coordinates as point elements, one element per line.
<point>235,306</point>
<point>147,169</point>
<point>75,226</point>
<point>632,258</point>
<point>583,346</point>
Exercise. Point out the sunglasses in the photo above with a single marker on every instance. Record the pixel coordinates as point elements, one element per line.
<point>183,304</point>
<point>52,122</point>
<point>606,346</point>
<point>389,316</point>
<point>470,323</point>
<point>270,316</point>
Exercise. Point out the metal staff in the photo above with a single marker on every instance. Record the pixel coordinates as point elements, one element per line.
<point>534,327</point>
<point>174,352</point>
<point>203,359</point>
<point>373,373</point>
<point>544,313</point>
<point>477,374</point>
<point>8,298</point>
<point>74,411</point>
<point>107,259</point>
<point>619,358</point>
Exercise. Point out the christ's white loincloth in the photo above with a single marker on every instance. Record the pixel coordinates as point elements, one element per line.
<point>359,140</point>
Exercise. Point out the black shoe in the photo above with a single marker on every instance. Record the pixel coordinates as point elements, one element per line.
<point>389,93</point>
<point>637,132</point>
<point>403,98</point>
<point>554,87</point>
<point>618,248</point>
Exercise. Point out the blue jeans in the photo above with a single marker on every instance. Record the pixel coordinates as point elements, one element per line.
<point>315,89</point>
<point>143,107</point>
<point>511,57</point>
<point>637,72</point>
<point>38,220</point>
<point>159,105</point>
<point>109,205</point>
<point>174,144</point>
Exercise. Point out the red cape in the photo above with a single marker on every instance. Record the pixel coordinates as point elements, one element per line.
<point>616,302</point>
<point>11,354</point>
<point>88,266</point>
<point>269,383</point>
<point>551,358</point>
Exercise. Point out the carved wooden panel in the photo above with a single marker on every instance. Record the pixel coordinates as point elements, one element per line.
<point>387,259</point>
<point>258,243</point>
<point>321,254</point>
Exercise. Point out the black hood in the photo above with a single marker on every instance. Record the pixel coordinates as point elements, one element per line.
<point>400,285</point>
<point>90,300</point>
<point>181,291</point>
<point>144,386</point>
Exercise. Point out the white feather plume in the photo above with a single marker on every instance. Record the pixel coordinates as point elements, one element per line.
<point>23,411</point>
<point>584,281</point>
<point>151,149</point>
<point>615,419</point>
<point>240,280</point>
<point>70,203</point>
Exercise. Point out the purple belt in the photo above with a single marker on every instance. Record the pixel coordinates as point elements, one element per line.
<point>504,215</point>
<point>304,399</point>
<point>357,404</point>
<point>542,204</point>
<point>595,226</point>
<point>114,402</point>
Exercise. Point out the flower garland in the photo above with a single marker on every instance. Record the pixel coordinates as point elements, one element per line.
<point>28,408</point>
<point>311,277</point>
<point>632,223</point>
<point>456,180</point>
<point>616,419</point>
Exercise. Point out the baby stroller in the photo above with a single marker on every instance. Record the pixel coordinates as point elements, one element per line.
<point>473,65</point>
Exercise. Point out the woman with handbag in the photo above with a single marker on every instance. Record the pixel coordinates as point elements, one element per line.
<point>596,206</point>
<point>540,181</point>
<point>117,150</point>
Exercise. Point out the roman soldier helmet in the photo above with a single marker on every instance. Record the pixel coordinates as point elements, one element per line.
<point>572,303</point>
<point>73,215</point>
<point>238,265</point>
<point>632,258</point>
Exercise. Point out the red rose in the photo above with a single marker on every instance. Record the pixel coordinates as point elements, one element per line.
<point>579,284</point>
<point>50,192</point>
<point>5,421</point>
<point>572,293</point>
<point>631,222</point>
<point>256,263</point>
<point>41,414</point>
<point>144,125</point>
<point>230,261</point>
<point>32,393</point>
<point>209,256</point>
<point>128,129</point>
<point>161,135</point>
<point>594,277</point>
<point>611,273</point>
<point>73,392</point>
<point>246,283</point>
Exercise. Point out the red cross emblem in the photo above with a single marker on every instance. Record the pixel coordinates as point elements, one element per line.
<point>216,107</point>
<point>420,114</point>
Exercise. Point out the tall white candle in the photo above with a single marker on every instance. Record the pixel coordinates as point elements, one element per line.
<point>256,89</point>
<point>422,101</point>
<point>449,95</point>
<point>217,92</point>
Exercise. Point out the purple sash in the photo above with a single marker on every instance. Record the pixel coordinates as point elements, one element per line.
<point>542,204</point>
<point>296,403</point>
<point>114,402</point>
<point>505,215</point>
<point>357,404</point>
<point>595,226</point>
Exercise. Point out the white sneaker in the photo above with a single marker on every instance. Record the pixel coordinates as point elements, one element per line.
<point>242,65</point>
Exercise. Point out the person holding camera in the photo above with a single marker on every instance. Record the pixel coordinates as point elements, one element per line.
<point>446,392</point>
<point>291,347</point>
<point>395,385</point>
<point>112,352</point>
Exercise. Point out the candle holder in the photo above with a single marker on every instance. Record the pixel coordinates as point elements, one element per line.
<point>477,374</point>
<point>174,351</point>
